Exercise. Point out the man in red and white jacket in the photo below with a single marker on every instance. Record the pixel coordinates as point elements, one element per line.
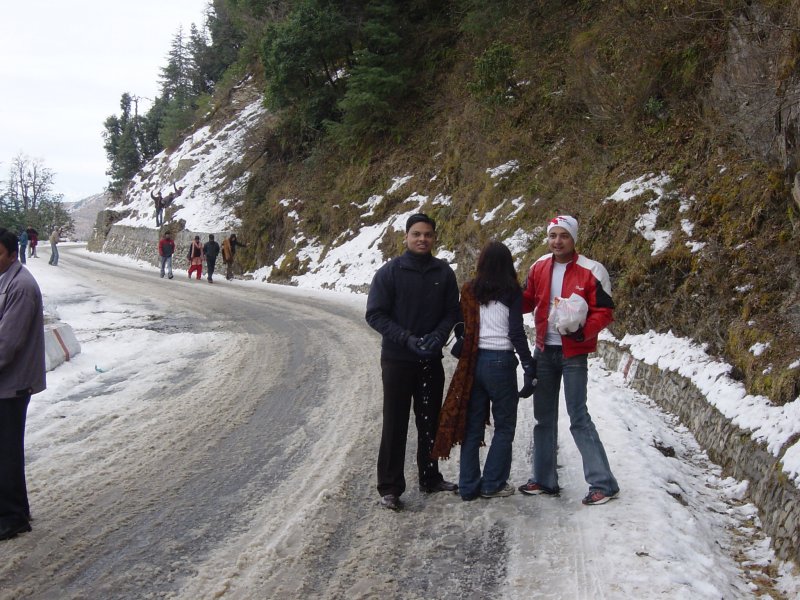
<point>564,354</point>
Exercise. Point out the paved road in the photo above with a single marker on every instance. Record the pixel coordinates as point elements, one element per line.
<point>251,475</point>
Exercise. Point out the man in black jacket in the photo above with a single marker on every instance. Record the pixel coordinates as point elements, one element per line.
<point>413,304</point>
<point>211,251</point>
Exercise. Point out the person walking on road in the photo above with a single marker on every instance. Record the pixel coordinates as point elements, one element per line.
<point>55,237</point>
<point>229,246</point>
<point>22,374</point>
<point>33,241</point>
<point>166,248</point>
<point>23,245</point>
<point>562,352</point>
<point>195,257</point>
<point>486,375</point>
<point>413,304</point>
<point>211,251</point>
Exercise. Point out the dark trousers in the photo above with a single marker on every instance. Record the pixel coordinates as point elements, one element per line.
<point>211,264</point>
<point>420,382</point>
<point>13,492</point>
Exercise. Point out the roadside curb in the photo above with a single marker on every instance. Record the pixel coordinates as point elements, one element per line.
<point>60,344</point>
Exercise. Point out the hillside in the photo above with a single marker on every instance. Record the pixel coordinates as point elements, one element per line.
<point>669,130</point>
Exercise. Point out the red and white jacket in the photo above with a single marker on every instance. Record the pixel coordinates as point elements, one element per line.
<point>585,277</point>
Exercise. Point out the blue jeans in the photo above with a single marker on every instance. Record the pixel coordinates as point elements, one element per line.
<point>166,261</point>
<point>551,366</point>
<point>496,383</point>
<point>53,254</point>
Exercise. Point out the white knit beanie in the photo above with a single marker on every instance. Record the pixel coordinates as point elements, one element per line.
<point>568,223</point>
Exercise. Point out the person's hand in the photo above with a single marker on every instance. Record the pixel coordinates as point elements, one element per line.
<point>431,342</point>
<point>415,344</point>
<point>412,343</point>
<point>528,385</point>
<point>576,335</point>
<point>529,368</point>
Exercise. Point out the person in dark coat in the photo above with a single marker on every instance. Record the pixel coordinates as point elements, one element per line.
<point>22,374</point>
<point>23,245</point>
<point>211,251</point>
<point>413,304</point>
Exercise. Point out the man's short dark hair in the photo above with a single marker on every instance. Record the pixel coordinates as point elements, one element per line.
<point>210,237</point>
<point>419,218</point>
<point>9,240</point>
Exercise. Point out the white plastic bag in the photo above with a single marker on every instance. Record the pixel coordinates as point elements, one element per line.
<point>568,314</point>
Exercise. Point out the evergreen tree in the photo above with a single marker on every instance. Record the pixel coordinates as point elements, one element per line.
<point>176,75</point>
<point>378,81</point>
<point>122,139</point>
<point>227,39</point>
<point>304,57</point>
<point>176,91</point>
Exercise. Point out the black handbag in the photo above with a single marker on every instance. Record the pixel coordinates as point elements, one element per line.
<point>458,334</point>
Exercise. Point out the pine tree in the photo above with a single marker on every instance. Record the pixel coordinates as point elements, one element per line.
<point>378,81</point>
<point>122,145</point>
<point>304,56</point>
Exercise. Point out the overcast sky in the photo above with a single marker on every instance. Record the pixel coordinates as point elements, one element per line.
<point>63,67</point>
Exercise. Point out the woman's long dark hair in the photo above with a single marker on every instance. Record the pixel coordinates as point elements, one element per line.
<point>495,277</point>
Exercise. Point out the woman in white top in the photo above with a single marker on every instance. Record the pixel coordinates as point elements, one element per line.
<point>486,376</point>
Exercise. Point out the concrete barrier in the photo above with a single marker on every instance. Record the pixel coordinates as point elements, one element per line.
<point>60,344</point>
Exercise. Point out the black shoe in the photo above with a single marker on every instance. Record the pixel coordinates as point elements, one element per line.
<point>439,486</point>
<point>391,502</point>
<point>11,529</point>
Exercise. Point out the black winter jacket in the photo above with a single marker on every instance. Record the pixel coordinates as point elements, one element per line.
<point>412,295</point>
<point>211,250</point>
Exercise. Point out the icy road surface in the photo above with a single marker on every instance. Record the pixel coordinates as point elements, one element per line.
<point>219,441</point>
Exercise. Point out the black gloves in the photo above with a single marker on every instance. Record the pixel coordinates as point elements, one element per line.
<point>529,368</point>
<point>528,379</point>
<point>431,342</point>
<point>427,347</point>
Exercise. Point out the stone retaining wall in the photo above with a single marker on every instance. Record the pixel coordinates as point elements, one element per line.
<point>776,497</point>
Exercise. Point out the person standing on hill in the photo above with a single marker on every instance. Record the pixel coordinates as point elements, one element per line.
<point>166,248</point>
<point>158,202</point>
<point>229,246</point>
<point>413,304</point>
<point>195,257</point>
<point>211,251</point>
<point>563,353</point>
<point>22,374</point>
